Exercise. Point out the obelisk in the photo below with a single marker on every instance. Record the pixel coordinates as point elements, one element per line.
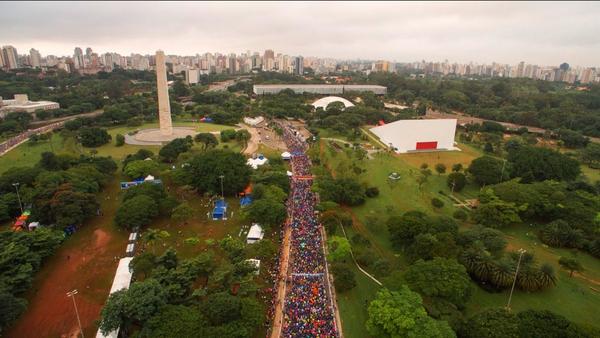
<point>164,107</point>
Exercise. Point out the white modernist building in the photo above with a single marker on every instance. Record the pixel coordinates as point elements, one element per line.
<point>323,89</point>
<point>21,103</point>
<point>405,136</point>
<point>325,101</point>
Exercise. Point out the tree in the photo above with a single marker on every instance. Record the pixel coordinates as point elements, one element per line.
<point>136,212</point>
<point>437,203</point>
<point>12,307</point>
<point>570,264</point>
<point>440,278</point>
<point>151,236</point>
<point>346,191</point>
<point>175,321</point>
<point>143,264</point>
<point>221,308</point>
<point>440,168</point>
<point>243,136</point>
<point>544,323</point>
<point>93,137</point>
<point>69,207</point>
<point>488,170</point>
<point>171,150</point>
<point>204,170</point>
<point>339,249</point>
<point>182,213</point>
<point>403,229</point>
<point>207,139</point>
<point>590,155</point>
<point>560,234</point>
<point>456,181</point>
<point>228,135</point>
<point>540,164</point>
<point>141,168</point>
<point>492,323</point>
<point>119,140</point>
<point>494,212</point>
<point>266,211</point>
<point>180,88</point>
<point>457,167</point>
<point>344,277</point>
<point>401,314</point>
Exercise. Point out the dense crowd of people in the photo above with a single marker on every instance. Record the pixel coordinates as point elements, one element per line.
<point>308,309</point>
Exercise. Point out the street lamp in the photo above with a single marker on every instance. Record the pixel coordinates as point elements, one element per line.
<point>521,252</point>
<point>16,185</point>
<point>222,194</point>
<point>72,295</point>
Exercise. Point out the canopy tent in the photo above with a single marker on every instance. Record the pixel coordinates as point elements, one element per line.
<point>33,225</point>
<point>149,178</point>
<point>289,173</point>
<point>255,234</point>
<point>255,162</point>
<point>206,119</point>
<point>286,156</point>
<point>253,121</point>
<point>220,210</point>
<point>247,190</point>
<point>246,200</point>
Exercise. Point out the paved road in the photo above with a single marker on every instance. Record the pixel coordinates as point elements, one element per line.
<point>15,141</point>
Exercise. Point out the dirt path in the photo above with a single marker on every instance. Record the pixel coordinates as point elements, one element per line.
<point>281,284</point>
<point>86,262</point>
<point>252,145</point>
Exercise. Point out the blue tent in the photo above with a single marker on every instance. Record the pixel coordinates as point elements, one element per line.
<point>220,210</point>
<point>246,200</point>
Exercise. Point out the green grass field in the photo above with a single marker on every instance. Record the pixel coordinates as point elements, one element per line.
<point>575,298</point>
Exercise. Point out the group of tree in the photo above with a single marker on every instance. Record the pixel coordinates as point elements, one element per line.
<point>142,203</point>
<point>523,101</point>
<point>170,151</point>
<point>187,298</point>
<point>203,172</point>
<point>497,323</point>
<point>22,256</point>
<point>60,189</point>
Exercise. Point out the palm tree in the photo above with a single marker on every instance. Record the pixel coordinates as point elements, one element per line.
<point>154,235</point>
<point>546,277</point>
<point>503,274</point>
<point>528,278</point>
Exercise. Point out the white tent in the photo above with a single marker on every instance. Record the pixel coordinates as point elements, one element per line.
<point>255,234</point>
<point>121,281</point>
<point>33,225</point>
<point>286,156</point>
<point>256,263</point>
<point>253,121</point>
<point>149,178</point>
<point>255,162</point>
<point>289,173</point>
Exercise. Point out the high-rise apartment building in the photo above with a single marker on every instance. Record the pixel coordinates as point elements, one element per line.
<point>78,58</point>
<point>299,65</point>
<point>11,58</point>
<point>35,59</point>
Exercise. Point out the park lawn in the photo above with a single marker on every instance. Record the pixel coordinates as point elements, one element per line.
<point>352,305</point>
<point>592,174</point>
<point>27,154</point>
<point>577,298</point>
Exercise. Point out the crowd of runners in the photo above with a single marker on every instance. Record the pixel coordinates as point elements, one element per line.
<point>308,308</point>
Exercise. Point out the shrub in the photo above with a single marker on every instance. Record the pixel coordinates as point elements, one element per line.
<point>119,140</point>
<point>437,203</point>
<point>460,215</point>
<point>372,192</point>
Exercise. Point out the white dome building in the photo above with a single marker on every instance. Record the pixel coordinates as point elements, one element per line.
<point>324,102</point>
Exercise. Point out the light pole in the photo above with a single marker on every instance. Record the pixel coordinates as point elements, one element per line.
<point>72,295</point>
<point>222,194</point>
<point>16,185</point>
<point>521,252</point>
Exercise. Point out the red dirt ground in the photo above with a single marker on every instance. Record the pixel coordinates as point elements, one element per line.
<point>85,262</point>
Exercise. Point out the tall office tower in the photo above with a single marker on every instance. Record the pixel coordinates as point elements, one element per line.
<point>269,60</point>
<point>78,58</point>
<point>11,58</point>
<point>231,64</point>
<point>35,58</point>
<point>2,63</point>
<point>164,106</point>
<point>521,69</point>
<point>299,65</point>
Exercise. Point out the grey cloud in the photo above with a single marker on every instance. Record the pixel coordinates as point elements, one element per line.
<point>537,32</point>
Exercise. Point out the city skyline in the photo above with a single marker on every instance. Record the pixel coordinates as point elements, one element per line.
<point>507,33</point>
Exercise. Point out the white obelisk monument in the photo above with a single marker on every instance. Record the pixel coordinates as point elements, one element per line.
<point>164,107</point>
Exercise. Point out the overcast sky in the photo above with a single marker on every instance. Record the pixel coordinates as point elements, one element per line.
<point>545,33</point>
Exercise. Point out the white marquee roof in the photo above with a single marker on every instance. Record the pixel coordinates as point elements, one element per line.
<point>324,102</point>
